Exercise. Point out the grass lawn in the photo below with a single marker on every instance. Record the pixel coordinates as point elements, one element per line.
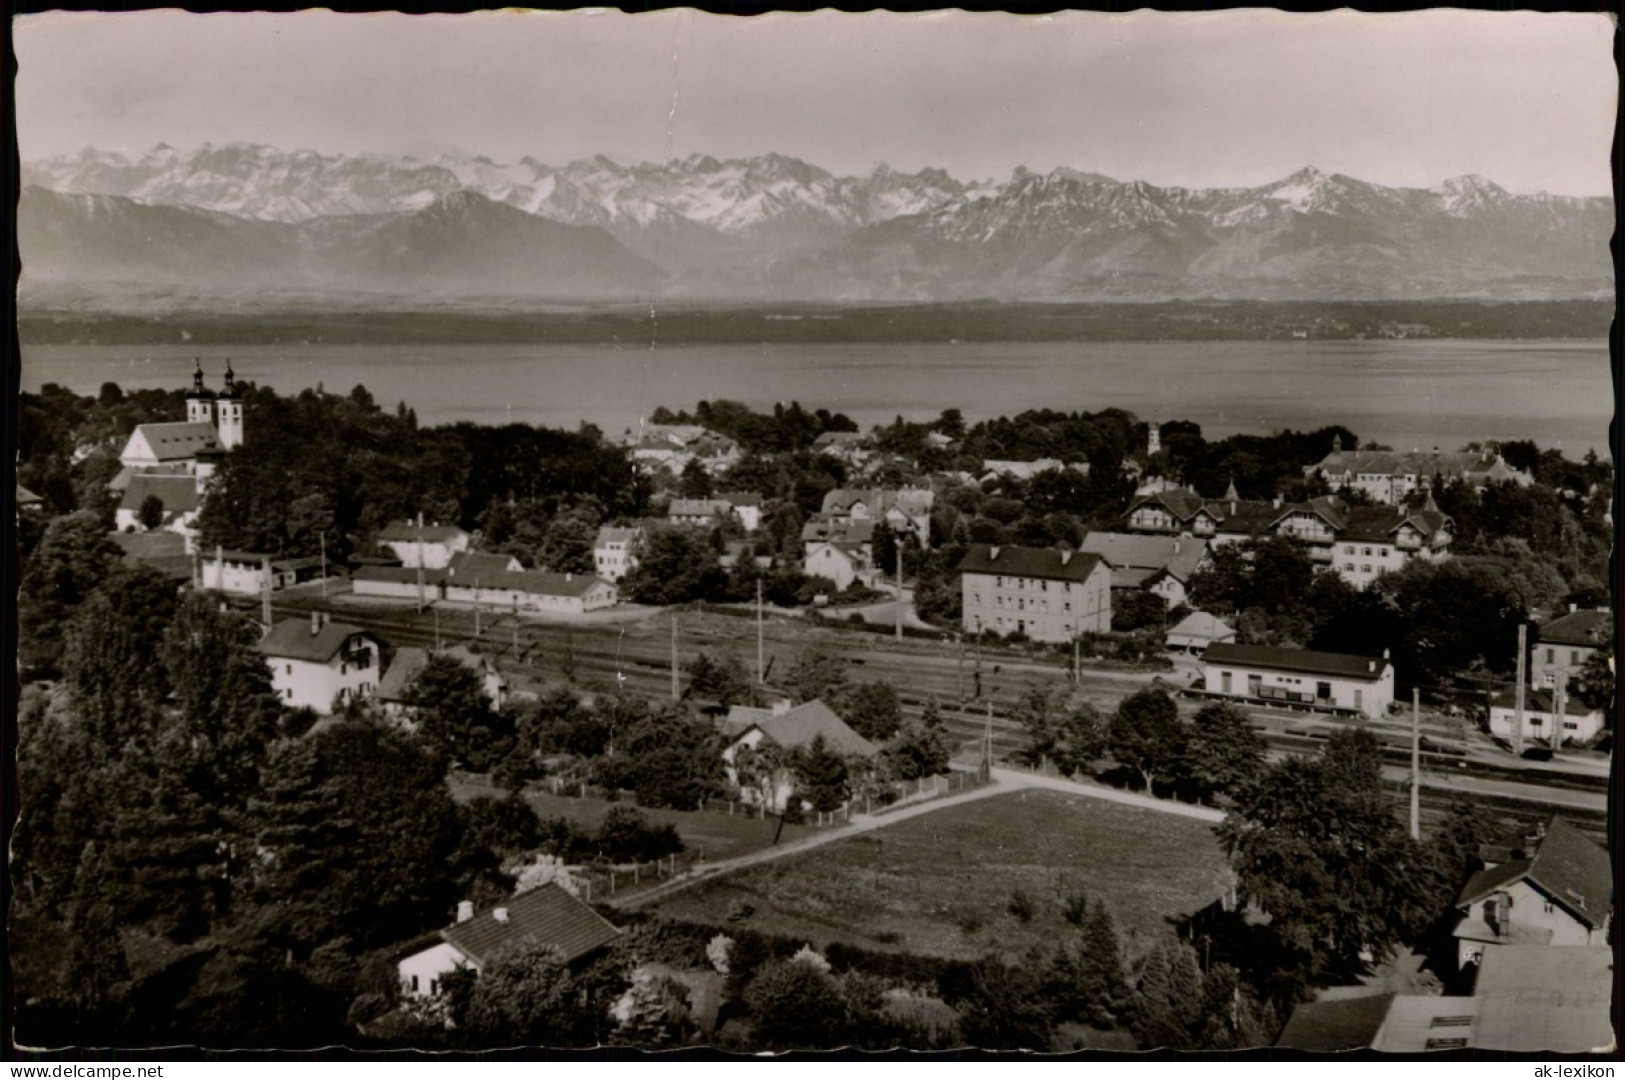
<point>942,884</point>
<point>717,835</point>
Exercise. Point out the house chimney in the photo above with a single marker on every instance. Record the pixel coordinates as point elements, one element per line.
<point>465,910</point>
<point>1066,556</point>
<point>315,623</point>
<point>1277,501</point>
<point>1573,608</point>
<point>781,706</point>
<point>1385,654</point>
<point>1176,545</point>
<point>993,552</point>
<point>500,914</point>
<point>1371,665</point>
<point>568,576</point>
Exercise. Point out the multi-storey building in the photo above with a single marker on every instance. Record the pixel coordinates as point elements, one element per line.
<point>1047,594</point>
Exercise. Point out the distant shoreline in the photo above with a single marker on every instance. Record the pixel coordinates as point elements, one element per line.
<point>158,319</point>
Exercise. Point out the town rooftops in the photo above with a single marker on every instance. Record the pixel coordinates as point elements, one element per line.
<point>178,493</point>
<point>407,531</point>
<point>1567,868</point>
<point>1379,523</point>
<point>292,639</point>
<point>1010,560</point>
<point>740,498</point>
<point>1306,661</point>
<point>178,440</point>
<point>839,438</point>
<point>799,726</point>
<point>543,916</point>
<point>1584,628</point>
<point>849,535</point>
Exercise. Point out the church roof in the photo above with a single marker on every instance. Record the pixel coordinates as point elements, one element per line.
<point>178,441</point>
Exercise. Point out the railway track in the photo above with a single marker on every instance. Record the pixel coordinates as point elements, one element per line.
<point>636,657</point>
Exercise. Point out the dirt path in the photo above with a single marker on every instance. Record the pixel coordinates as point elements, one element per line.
<point>1017,778</point>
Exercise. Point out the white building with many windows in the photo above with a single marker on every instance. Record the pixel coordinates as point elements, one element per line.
<point>1047,594</point>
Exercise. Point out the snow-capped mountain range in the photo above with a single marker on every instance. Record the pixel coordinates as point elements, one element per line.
<point>777,227</point>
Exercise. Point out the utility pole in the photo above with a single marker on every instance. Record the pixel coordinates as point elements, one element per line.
<point>1416,763</point>
<point>675,693</point>
<point>1560,693</point>
<point>265,591</point>
<point>987,742</point>
<point>899,541</point>
<point>476,609</point>
<point>420,567</point>
<point>761,676</point>
<point>1077,660</point>
<point>959,670</point>
<point>516,627</point>
<point>436,629</point>
<point>324,565</point>
<point>1517,737</point>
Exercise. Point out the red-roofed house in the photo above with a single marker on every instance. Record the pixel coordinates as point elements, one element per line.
<point>543,916</point>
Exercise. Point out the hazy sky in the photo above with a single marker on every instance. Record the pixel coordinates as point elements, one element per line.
<point>1199,100</point>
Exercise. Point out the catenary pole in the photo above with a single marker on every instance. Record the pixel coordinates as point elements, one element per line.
<point>1416,763</point>
<point>1517,734</point>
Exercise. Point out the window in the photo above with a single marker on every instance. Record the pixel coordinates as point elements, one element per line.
<point>344,668</point>
<point>1348,565</point>
<point>1367,551</point>
<point>1446,1044</point>
<point>977,597</point>
<point>1365,568</point>
<point>1068,608</point>
<point>1535,721</point>
<point>1021,603</point>
<point>1570,725</point>
<point>1451,1021</point>
<point>290,669</point>
<point>1574,656</point>
<point>1359,703</point>
<point>414,984</point>
<point>288,693</point>
<point>1551,656</point>
<point>1224,682</point>
<point>1348,549</point>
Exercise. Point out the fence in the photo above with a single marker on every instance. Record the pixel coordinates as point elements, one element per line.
<point>600,883</point>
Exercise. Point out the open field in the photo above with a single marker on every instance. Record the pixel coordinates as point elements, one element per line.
<point>942,884</point>
<point>715,835</point>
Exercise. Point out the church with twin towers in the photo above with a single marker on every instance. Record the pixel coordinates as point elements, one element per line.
<point>167,466</point>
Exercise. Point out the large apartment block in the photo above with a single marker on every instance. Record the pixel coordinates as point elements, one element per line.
<point>1047,594</point>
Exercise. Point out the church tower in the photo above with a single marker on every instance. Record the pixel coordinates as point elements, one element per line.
<point>1154,440</point>
<point>199,401</point>
<point>230,403</point>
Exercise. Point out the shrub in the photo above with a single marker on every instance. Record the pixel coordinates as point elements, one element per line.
<point>1022,905</point>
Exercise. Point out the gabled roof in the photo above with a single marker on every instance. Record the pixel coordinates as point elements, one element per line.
<point>27,498</point>
<point>850,534</point>
<point>1179,557</point>
<point>400,575</point>
<point>1306,661</point>
<point>611,534</point>
<point>911,501</point>
<point>291,639</point>
<point>410,661</point>
<point>535,582</point>
<point>1540,701</point>
<point>178,440</point>
<point>1246,517</point>
<point>1585,628</point>
<point>1567,868</point>
<point>546,915</point>
<point>1182,503</point>
<point>406,532</point>
<point>178,493</point>
<point>801,725</point>
<point>839,438</point>
<point>1379,523</point>
<point>1203,626</point>
<point>1028,562</point>
<point>1331,1026</point>
<point>740,498</point>
<point>475,564</point>
<point>698,508</point>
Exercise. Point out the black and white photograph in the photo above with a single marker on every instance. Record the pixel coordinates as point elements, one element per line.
<point>945,531</point>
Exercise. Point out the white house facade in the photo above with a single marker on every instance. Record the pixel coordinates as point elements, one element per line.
<point>1299,677</point>
<point>1047,594</point>
<point>319,664</point>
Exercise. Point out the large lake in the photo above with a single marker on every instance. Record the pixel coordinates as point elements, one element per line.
<point>1405,393</point>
